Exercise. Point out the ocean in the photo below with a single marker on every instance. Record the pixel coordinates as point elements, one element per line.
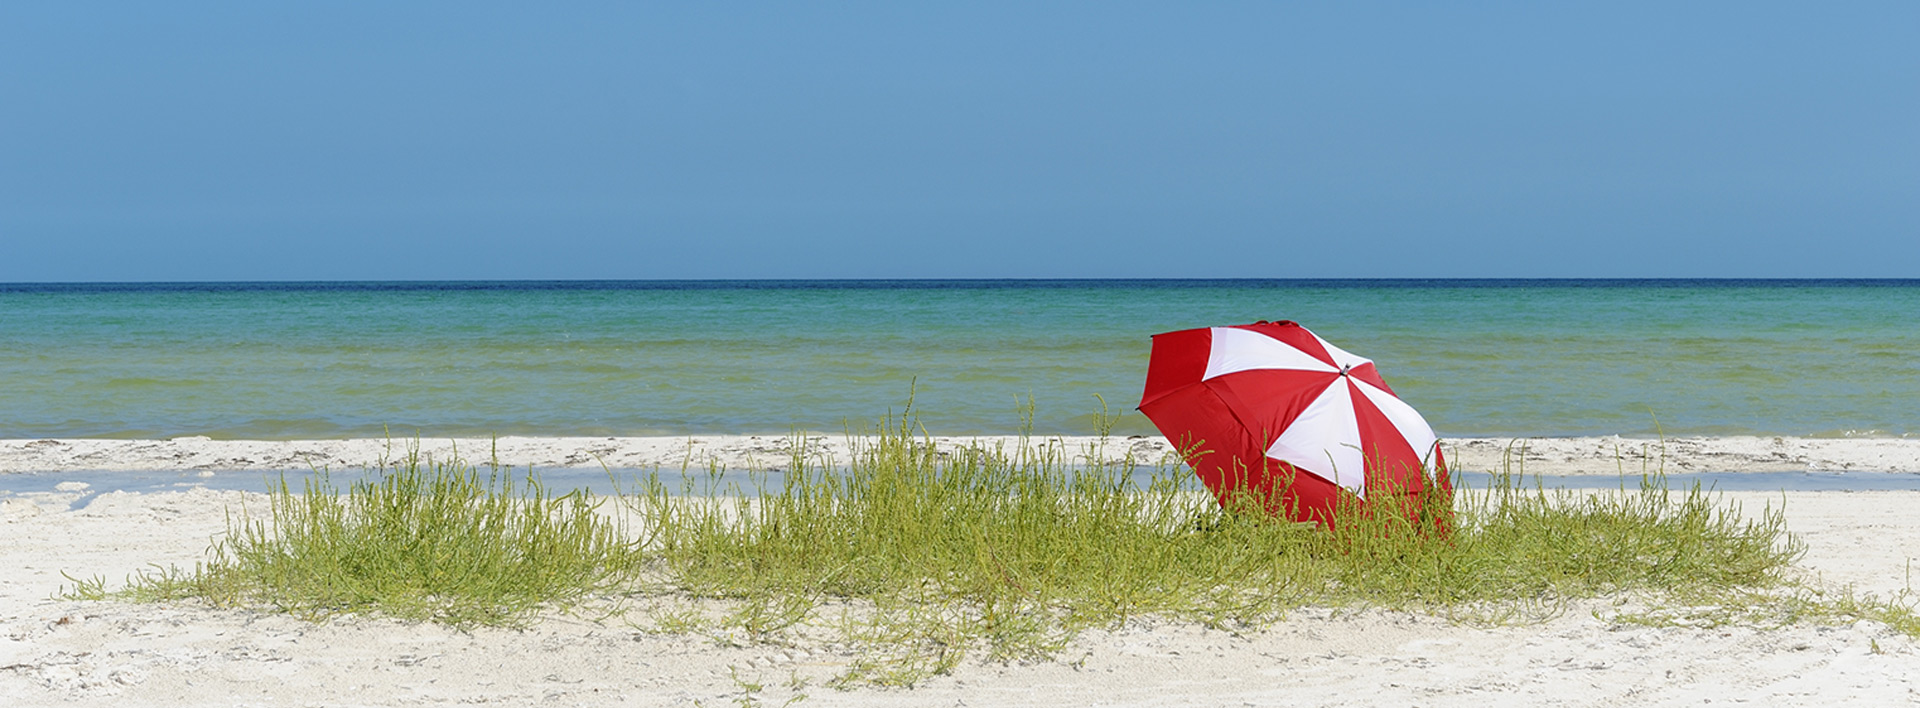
<point>580,358</point>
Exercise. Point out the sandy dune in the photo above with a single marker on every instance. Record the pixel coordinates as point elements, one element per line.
<point>58,652</point>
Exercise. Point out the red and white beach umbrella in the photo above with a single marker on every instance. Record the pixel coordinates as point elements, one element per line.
<point>1271,407</point>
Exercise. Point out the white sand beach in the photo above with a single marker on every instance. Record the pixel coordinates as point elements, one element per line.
<point>60,652</point>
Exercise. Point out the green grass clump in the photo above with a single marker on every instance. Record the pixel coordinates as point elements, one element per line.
<point>427,540</point>
<point>1016,551</point>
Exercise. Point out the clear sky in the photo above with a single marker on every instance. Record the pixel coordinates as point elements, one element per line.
<point>290,141</point>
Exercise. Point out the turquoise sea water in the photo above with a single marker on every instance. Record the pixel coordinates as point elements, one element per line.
<point>329,360</point>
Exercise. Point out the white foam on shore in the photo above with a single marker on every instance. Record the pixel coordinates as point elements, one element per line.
<point>1610,455</point>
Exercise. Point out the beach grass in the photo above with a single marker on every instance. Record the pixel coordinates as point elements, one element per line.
<point>922,556</point>
<point>1014,551</point>
<point>440,541</point>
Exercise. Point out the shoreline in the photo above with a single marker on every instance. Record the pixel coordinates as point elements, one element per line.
<point>1573,456</point>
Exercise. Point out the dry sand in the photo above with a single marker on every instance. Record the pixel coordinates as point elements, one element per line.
<point>57,652</point>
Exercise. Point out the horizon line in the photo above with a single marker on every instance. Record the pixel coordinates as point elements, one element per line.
<point>980,280</point>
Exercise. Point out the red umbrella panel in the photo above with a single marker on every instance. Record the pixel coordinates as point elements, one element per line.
<point>1271,407</point>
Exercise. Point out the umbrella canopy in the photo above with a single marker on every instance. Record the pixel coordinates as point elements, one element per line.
<point>1274,410</point>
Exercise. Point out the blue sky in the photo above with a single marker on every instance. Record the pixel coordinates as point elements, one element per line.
<point>276,141</point>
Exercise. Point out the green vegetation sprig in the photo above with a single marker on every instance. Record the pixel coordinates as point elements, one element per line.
<point>425,540</point>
